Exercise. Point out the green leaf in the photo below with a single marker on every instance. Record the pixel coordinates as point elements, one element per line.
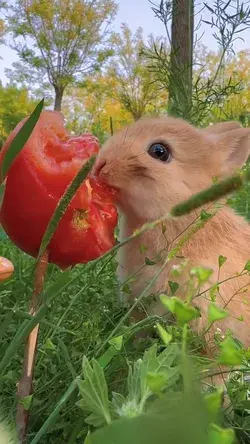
<point>107,356</point>
<point>156,382</point>
<point>126,289</point>
<point>220,436</point>
<point>247,266</point>
<point>149,262</point>
<point>173,287</point>
<point>117,342</point>
<point>213,402</point>
<point>182,421</point>
<point>202,274</point>
<point>222,260</point>
<point>205,215</point>
<point>115,347</point>
<point>134,382</point>
<point>26,402</point>
<point>94,392</point>
<point>48,345</point>
<point>213,292</point>
<point>216,313</point>
<point>2,190</point>
<point>165,336</point>
<point>118,401</point>
<point>63,204</point>
<point>143,249</point>
<point>20,139</point>
<point>184,312</point>
<point>229,354</point>
<point>87,439</point>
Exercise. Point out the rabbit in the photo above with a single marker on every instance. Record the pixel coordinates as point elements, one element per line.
<point>154,164</point>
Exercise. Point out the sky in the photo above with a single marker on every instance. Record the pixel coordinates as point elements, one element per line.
<point>138,13</point>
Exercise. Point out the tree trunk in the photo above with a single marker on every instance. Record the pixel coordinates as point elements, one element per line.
<point>181,60</point>
<point>59,90</point>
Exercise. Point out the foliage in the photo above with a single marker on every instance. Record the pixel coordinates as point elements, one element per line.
<point>228,20</point>
<point>15,105</point>
<point>135,86</point>
<point>94,104</point>
<point>60,40</point>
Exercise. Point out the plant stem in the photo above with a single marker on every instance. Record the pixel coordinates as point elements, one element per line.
<point>24,387</point>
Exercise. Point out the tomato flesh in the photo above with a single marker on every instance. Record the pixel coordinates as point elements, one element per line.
<point>36,181</point>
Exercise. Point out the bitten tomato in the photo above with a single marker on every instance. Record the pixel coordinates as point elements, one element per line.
<point>36,181</point>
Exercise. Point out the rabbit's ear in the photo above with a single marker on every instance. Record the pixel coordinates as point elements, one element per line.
<point>222,127</point>
<point>233,149</point>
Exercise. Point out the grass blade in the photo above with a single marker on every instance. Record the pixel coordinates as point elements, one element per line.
<point>28,325</point>
<point>20,139</point>
<point>53,416</point>
<point>63,204</point>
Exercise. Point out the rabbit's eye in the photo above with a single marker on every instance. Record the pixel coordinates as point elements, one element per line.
<point>160,152</point>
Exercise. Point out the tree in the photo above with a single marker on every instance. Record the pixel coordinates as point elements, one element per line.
<point>92,106</point>
<point>195,100</point>
<point>181,58</point>
<point>61,40</point>
<point>2,25</point>
<point>135,87</point>
<point>236,106</point>
<point>15,105</point>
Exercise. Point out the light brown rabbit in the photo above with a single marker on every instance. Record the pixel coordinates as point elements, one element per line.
<point>156,163</point>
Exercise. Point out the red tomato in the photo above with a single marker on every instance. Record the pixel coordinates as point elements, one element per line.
<point>36,181</point>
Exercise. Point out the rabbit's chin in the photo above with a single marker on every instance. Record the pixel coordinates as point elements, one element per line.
<point>139,211</point>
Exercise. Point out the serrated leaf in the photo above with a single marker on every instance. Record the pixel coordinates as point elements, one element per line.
<point>134,381</point>
<point>173,287</point>
<point>94,419</point>
<point>167,357</point>
<point>165,336</point>
<point>216,313</point>
<point>20,139</point>
<point>183,312</point>
<point>118,401</point>
<point>26,402</point>
<point>94,392</point>
<point>229,354</point>
<point>149,261</point>
<point>221,260</point>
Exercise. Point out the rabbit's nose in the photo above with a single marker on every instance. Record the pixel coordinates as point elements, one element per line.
<point>98,167</point>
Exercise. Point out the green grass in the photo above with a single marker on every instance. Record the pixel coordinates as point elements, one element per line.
<point>77,323</point>
<point>82,316</point>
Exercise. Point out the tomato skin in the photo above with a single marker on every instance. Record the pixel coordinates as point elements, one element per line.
<point>34,185</point>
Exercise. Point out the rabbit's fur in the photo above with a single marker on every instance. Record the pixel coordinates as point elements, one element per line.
<point>148,188</point>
